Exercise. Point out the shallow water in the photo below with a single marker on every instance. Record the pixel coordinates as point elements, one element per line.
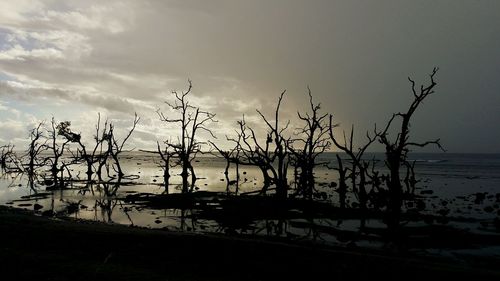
<point>449,183</point>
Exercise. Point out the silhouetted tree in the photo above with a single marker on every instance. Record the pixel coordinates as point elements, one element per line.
<point>106,146</point>
<point>90,157</point>
<point>57,148</point>
<point>234,156</point>
<point>272,156</point>
<point>115,147</point>
<point>253,154</point>
<point>275,135</point>
<point>192,120</point>
<point>8,159</point>
<point>104,139</point>
<point>109,146</point>
<point>397,150</point>
<point>342,186</point>
<point>165,155</point>
<point>410,179</point>
<point>358,165</point>
<point>34,149</point>
<point>313,141</point>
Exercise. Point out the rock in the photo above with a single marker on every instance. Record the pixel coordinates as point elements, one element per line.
<point>496,223</point>
<point>37,207</point>
<point>489,209</point>
<point>48,213</point>
<point>428,220</point>
<point>420,205</point>
<point>157,221</point>
<point>442,220</point>
<point>48,182</point>
<point>443,212</point>
<point>479,197</point>
<point>427,191</point>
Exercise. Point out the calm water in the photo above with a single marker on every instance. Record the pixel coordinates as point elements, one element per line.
<point>449,182</point>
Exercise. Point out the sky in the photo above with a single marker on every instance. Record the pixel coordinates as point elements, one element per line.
<point>75,59</point>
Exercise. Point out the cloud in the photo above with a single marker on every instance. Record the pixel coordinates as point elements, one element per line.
<point>113,103</point>
<point>14,128</point>
<point>17,52</point>
<point>74,57</point>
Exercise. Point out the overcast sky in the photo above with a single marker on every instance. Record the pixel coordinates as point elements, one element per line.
<point>73,59</point>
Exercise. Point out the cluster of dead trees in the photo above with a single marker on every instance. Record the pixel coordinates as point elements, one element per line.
<point>299,149</point>
<point>54,149</point>
<point>282,149</point>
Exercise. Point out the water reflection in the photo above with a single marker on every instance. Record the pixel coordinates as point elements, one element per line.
<point>218,206</point>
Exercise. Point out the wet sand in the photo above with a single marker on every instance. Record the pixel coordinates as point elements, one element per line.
<point>40,248</point>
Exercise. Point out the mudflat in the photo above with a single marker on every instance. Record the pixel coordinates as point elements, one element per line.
<point>43,248</point>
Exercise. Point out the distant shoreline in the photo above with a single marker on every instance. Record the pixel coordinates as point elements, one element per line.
<point>207,153</point>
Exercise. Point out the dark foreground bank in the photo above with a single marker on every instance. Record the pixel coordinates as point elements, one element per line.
<point>46,249</point>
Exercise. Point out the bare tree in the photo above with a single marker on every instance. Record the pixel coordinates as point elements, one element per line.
<point>115,147</point>
<point>165,155</point>
<point>312,140</point>
<point>397,150</point>
<point>232,156</point>
<point>106,145</point>
<point>34,149</point>
<point>192,120</point>
<point>359,167</point>
<point>8,159</point>
<point>276,135</point>
<point>89,156</point>
<point>254,154</point>
<point>270,156</point>
<point>58,147</point>
<point>342,186</point>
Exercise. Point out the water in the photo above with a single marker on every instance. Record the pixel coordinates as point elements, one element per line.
<point>449,183</point>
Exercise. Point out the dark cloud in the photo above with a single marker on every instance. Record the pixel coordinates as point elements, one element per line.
<point>125,56</point>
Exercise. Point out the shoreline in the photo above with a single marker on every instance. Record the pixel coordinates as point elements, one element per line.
<point>62,249</point>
